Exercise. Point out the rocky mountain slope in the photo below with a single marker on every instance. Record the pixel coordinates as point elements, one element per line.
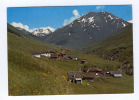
<point>89,28</point>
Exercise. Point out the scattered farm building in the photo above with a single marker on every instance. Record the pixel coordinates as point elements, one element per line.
<point>72,57</point>
<point>92,69</point>
<point>95,70</point>
<point>37,55</point>
<point>54,56</point>
<point>52,51</point>
<point>61,56</point>
<point>43,53</point>
<point>89,76</point>
<point>46,54</point>
<point>84,61</point>
<point>75,77</point>
<point>108,73</point>
<point>116,73</point>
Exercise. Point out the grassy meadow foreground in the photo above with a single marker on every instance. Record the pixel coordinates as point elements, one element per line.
<point>28,75</point>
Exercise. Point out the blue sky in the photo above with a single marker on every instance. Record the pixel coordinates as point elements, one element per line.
<point>56,17</point>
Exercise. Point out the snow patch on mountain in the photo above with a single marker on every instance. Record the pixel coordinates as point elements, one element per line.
<point>90,37</point>
<point>40,32</point>
<point>71,24</point>
<point>105,19</point>
<point>110,17</point>
<point>92,25</point>
<point>123,24</point>
<point>91,19</point>
<point>84,20</point>
<point>113,22</point>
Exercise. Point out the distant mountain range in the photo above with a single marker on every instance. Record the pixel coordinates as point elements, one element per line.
<point>89,28</point>
<point>38,32</point>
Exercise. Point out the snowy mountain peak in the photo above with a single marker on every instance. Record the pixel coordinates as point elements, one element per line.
<point>40,32</point>
<point>97,21</point>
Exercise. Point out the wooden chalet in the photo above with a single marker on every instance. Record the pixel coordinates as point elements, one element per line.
<point>75,77</point>
<point>54,56</point>
<point>92,69</point>
<point>89,76</point>
<point>116,73</point>
<point>95,70</point>
<point>61,56</point>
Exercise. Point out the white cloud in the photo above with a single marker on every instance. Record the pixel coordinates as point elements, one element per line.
<point>100,7</point>
<point>76,15</point>
<point>26,27</point>
<point>20,25</point>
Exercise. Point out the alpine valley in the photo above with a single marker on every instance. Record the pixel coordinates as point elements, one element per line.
<point>99,33</point>
<point>99,38</point>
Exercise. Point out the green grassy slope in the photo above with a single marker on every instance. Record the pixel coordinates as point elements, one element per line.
<point>28,75</point>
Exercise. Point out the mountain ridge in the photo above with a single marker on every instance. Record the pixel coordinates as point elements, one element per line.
<point>87,29</point>
<point>37,32</point>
